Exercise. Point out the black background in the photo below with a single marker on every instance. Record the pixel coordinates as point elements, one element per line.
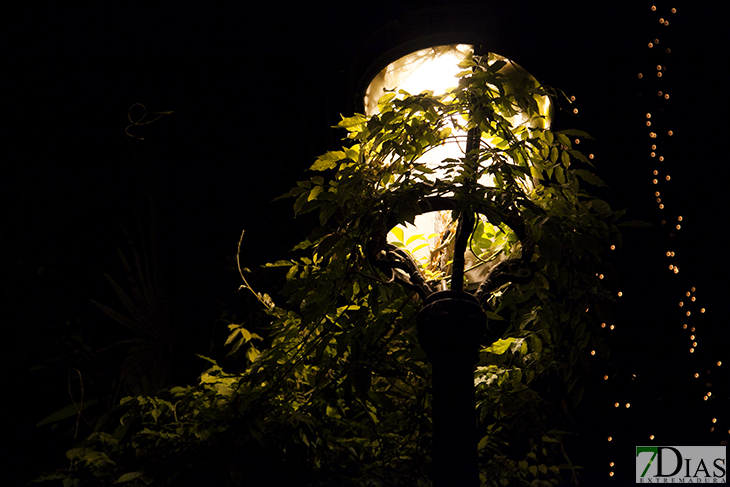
<point>254,90</point>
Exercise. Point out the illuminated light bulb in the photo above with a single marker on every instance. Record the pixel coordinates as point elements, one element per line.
<point>603,325</point>
<point>641,75</point>
<point>681,303</point>
<point>692,299</point>
<point>705,398</point>
<point>676,270</point>
<point>702,310</point>
<point>620,294</point>
<point>575,110</point>
<point>605,377</point>
<point>691,337</point>
<point>661,21</point>
<point>611,464</point>
<point>697,375</point>
<point>670,133</point>
<point>694,344</point>
<point>652,135</point>
<point>712,428</point>
<point>679,227</point>
<point>600,276</point>
<point>653,154</point>
<point>659,200</point>
<point>593,352</point>
<point>659,74</point>
<point>610,474</point>
<point>684,327</point>
<point>709,394</point>
<point>613,247</point>
<point>612,327</point>
<point>653,147</point>
<point>653,8</point>
<point>714,420</point>
<point>669,51</point>
<point>666,23</point>
<point>660,93</point>
<point>610,438</point>
<point>668,177</point>
<point>679,218</point>
<point>689,313</point>
<point>656,41</point>
<point>657,194</point>
<point>659,67</point>
<point>577,141</point>
<point>661,158</point>
<point>692,289</point>
<point>719,363</point>
<point>651,45</point>
<point>572,98</point>
<point>590,156</point>
<point>671,267</point>
<point>655,171</point>
<point>666,97</point>
<point>628,405</point>
<point>616,405</point>
<point>669,254</point>
<point>692,329</point>
<point>655,181</point>
<point>691,350</point>
<point>648,115</point>
<point>688,293</point>
<point>651,437</point>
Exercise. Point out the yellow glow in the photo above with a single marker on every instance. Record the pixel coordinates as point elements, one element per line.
<point>651,437</point>
<point>702,310</point>
<point>714,420</point>
<point>593,352</point>
<point>610,438</point>
<point>628,405</point>
<point>719,363</point>
<point>697,375</point>
<point>613,326</point>
<point>605,377</point>
<point>709,394</point>
<point>611,464</point>
<point>610,474</point>
<point>616,405</point>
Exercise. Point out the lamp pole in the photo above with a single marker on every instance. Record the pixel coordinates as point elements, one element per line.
<point>450,328</point>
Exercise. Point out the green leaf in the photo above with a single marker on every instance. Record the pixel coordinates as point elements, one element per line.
<point>327,161</point>
<point>500,346</point>
<point>589,177</point>
<point>129,476</point>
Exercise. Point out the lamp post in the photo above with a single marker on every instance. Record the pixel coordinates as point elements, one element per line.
<point>453,323</point>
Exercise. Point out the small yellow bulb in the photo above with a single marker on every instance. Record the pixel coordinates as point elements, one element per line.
<point>714,420</point>
<point>612,327</point>
<point>719,363</point>
<point>605,377</point>
<point>616,405</point>
<point>628,405</point>
<point>697,375</point>
<point>610,438</point>
<point>651,437</point>
<point>670,133</point>
<point>593,352</point>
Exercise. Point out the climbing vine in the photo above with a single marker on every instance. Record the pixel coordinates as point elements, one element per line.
<point>335,388</point>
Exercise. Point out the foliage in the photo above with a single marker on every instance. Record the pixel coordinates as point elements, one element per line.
<point>337,391</point>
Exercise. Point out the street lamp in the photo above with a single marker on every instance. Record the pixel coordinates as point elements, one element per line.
<point>439,248</point>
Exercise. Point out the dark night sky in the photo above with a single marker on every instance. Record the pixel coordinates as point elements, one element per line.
<point>254,90</point>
